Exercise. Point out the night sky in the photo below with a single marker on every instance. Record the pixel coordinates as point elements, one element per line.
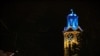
<point>35,28</point>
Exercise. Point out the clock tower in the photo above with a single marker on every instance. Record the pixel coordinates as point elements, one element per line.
<point>72,32</point>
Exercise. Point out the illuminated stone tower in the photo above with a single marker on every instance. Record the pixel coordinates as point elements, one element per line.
<point>71,34</point>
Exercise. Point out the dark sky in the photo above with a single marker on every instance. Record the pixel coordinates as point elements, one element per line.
<point>35,28</point>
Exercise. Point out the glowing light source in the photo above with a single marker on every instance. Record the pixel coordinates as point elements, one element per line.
<point>72,21</point>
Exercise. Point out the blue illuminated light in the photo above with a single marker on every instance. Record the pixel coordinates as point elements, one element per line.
<point>72,21</point>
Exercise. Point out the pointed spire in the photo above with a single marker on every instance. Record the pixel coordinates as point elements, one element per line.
<point>71,11</point>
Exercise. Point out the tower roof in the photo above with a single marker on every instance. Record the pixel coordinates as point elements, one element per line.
<point>72,22</point>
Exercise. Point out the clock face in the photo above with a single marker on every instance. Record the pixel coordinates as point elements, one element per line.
<point>70,36</point>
